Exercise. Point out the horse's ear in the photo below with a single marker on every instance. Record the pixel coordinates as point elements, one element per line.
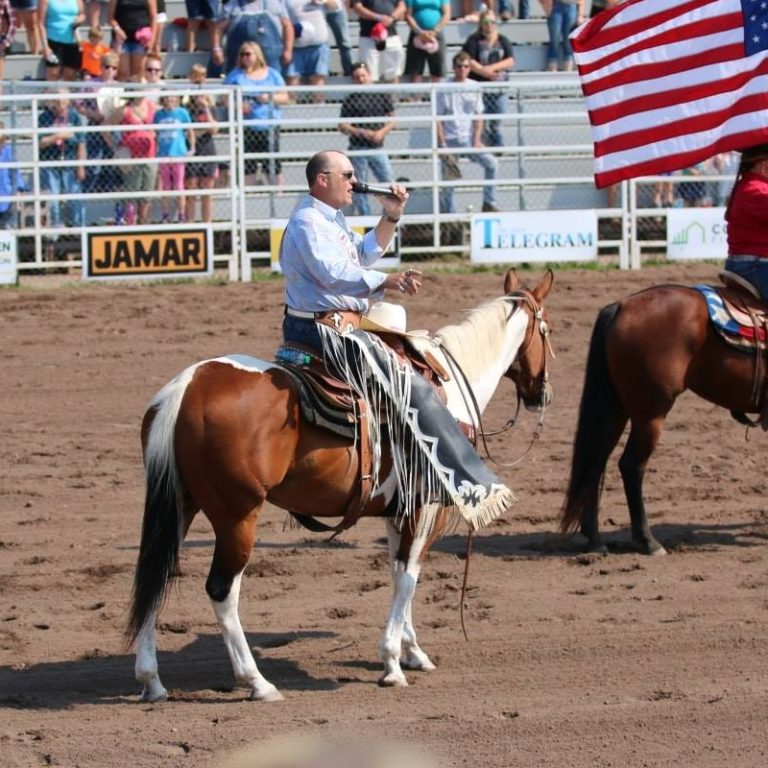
<point>511,283</point>
<point>541,291</point>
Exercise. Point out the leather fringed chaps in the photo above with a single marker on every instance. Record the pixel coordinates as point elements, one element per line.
<point>435,464</point>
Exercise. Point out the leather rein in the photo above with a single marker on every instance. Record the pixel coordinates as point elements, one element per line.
<point>526,300</point>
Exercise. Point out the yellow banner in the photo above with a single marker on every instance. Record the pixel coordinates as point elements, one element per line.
<point>172,251</point>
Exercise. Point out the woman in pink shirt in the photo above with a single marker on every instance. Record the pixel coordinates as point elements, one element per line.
<point>142,145</point>
<point>746,216</point>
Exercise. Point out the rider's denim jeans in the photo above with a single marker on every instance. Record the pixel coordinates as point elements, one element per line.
<point>754,271</point>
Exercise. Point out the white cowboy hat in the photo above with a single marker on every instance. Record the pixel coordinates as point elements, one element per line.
<point>385,317</point>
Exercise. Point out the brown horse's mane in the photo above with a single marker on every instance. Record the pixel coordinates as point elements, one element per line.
<point>475,342</point>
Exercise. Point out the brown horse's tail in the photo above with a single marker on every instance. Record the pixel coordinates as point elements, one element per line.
<point>162,527</point>
<point>600,416</point>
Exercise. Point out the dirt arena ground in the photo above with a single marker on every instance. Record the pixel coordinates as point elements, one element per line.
<point>573,661</point>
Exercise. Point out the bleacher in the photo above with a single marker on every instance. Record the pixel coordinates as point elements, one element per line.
<point>529,38</point>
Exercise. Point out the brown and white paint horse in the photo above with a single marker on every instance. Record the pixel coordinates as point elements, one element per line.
<point>227,434</point>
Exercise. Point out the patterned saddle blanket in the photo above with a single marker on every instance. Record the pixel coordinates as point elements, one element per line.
<point>740,317</point>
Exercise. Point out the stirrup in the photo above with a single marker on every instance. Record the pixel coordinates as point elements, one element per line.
<point>737,281</point>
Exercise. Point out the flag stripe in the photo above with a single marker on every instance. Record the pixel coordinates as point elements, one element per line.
<point>735,141</point>
<point>667,87</point>
<point>634,73</point>
<point>695,123</point>
<point>651,109</point>
<point>630,52</point>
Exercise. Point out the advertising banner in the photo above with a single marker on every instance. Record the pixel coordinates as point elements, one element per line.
<point>175,250</point>
<point>696,233</point>
<point>9,269</point>
<point>540,236</point>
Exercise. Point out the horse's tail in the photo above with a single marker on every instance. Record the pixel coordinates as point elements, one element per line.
<point>599,413</point>
<point>162,528</point>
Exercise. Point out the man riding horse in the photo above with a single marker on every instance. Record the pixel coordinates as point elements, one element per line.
<point>327,289</point>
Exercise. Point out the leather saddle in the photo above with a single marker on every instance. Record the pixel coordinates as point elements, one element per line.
<point>329,403</point>
<point>740,316</point>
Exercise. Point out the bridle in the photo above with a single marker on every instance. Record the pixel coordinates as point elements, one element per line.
<point>526,300</point>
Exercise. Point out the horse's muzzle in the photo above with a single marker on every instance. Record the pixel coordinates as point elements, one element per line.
<point>544,400</point>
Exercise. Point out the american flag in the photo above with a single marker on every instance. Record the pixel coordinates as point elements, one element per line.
<point>669,84</point>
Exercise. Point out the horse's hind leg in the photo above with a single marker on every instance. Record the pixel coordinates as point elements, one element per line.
<point>643,438</point>
<point>146,669</point>
<point>399,646</point>
<point>233,549</point>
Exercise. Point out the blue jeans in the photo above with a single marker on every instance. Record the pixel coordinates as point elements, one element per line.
<point>505,6</point>
<point>560,23</point>
<point>380,167</point>
<point>489,165</point>
<point>493,104</point>
<point>302,332</point>
<point>62,181</point>
<point>754,271</point>
<point>339,24</point>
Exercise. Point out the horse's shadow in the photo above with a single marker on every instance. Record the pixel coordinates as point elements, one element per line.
<point>676,537</point>
<point>187,673</point>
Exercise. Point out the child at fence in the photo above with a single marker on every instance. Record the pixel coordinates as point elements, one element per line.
<point>11,182</point>
<point>174,144</point>
<point>202,174</point>
<point>92,51</point>
<point>198,74</point>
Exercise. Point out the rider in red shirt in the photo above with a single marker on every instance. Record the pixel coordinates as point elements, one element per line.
<point>746,217</point>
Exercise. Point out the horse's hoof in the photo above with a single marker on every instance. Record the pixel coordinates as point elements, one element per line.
<point>393,680</point>
<point>269,695</point>
<point>597,549</point>
<point>419,664</point>
<point>149,695</point>
<point>651,548</point>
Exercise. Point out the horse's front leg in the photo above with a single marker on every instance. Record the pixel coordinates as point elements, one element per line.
<point>146,662</point>
<point>399,646</point>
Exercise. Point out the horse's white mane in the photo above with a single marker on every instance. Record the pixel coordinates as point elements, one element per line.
<point>476,341</point>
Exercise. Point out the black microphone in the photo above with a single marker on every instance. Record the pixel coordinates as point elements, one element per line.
<point>369,189</point>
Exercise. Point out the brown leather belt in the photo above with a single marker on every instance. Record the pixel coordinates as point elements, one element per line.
<point>340,319</point>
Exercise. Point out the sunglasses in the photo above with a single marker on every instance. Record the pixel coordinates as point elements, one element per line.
<point>153,69</point>
<point>348,175</point>
<point>109,66</point>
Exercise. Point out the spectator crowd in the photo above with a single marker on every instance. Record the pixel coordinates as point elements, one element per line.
<point>263,46</point>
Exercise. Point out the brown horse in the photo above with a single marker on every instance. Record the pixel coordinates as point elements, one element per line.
<point>645,351</point>
<point>227,434</point>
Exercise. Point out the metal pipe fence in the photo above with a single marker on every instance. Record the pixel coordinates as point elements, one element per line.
<point>543,161</point>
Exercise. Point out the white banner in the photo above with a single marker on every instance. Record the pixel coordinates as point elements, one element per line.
<point>696,233</point>
<point>9,269</point>
<point>534,236</point>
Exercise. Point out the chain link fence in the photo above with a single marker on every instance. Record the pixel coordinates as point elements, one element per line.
<point>80,156</point>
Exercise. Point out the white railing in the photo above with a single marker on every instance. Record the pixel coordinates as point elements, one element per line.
<point>545,163</point>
